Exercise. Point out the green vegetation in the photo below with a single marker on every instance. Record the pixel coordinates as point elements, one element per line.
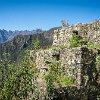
<point>62,46</point>
<point>36,43</point>
<point>56,78</point>
<point>18,83</point>
<point>91,45</point>
<point>77,41</point>
<point>66,81</point>
<point>98,65</point>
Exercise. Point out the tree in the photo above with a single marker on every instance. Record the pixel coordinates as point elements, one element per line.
<point>36,43</point>
<point>64,24</point>
<point>19,83</point>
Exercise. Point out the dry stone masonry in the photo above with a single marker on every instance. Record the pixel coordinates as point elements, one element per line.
<point>91,31</point>
<point>79,62</point>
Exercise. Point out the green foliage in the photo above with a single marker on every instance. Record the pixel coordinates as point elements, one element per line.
<point>66,81</point>
<point>4,64</point>
<point>56,75</point>
<point>56,78</point>
<point>98,97</point>
<point>62,46</point>
<point>91,45</point>
<point>36,43</point>
<point>77,41</point>
<point>19,81</point>
<point>52,75</point>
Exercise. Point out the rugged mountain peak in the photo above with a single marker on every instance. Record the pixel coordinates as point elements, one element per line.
<point>8,35</point>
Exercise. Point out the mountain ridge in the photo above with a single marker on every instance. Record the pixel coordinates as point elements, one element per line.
<point>20,42</point>
<point>8,35</point>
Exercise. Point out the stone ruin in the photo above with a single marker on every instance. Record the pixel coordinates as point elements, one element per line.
<point>90,31</point>
<point>79,63</point>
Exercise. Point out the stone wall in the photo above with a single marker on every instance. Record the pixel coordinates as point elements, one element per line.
<point>89,31</point>
<point>78,63</point>
<point>61,36</point>
<point>73,93</point>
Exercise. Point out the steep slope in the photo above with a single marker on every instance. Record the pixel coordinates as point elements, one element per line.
<point>4,35</point>
<point>24,41</point>
<point>8,35</point>
<point>61,72</point>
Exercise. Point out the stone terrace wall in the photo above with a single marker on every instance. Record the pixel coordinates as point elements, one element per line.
<point>90,31</point>
<point>77,62</point>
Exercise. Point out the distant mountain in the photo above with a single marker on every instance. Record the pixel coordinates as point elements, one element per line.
<point>17,41</point>
<point>8,35</point>
<point>4,35</point>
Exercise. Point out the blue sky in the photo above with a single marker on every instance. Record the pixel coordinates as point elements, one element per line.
<point>45,14</point>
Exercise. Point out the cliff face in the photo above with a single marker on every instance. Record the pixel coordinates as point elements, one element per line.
<point>4,35</point>
<point>23,41</point>
<point>77,63</point>
<point>15,46</point>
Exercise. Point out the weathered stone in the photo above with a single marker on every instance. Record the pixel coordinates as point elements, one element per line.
<point>89,31</point>
<point>79,63</point>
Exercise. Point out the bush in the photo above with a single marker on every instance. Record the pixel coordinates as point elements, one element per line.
<point>19,82</point>
<point>91,45</point>
<point>56,78</point>
<point>76,41</point>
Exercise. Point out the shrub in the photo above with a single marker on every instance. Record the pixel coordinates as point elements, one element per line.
<point>19,81</point>
<point>76,41</point>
